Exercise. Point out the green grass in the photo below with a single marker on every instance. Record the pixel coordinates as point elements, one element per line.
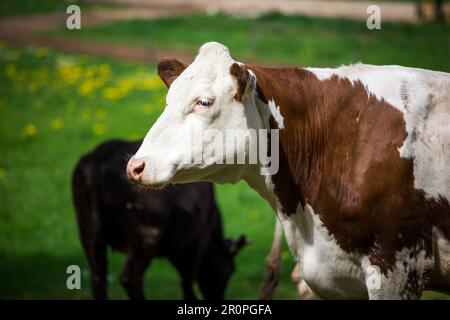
<point>49,118</point>
<point>14,7</point>
<point>295,40</point>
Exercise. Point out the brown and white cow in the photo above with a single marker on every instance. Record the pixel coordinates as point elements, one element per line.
<point>363,185</point>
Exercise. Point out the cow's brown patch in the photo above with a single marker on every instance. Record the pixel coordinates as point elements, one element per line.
<point>339,152</point>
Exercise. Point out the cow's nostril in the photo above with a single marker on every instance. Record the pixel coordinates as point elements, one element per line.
<point>135,169</point>
<point>139,168</point>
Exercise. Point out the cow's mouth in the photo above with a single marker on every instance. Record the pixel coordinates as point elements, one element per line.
<point>150,185</point>
<point>156,186</point>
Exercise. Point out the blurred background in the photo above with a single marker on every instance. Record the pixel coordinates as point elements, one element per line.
<point>63,91</point>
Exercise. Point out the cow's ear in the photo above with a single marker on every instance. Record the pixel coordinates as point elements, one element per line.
<point>236,245</point>
<point>245,78</point>
<point>169,70</point>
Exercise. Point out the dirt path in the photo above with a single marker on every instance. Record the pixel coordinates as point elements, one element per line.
<point>357,10</point>
<point>24,30</point>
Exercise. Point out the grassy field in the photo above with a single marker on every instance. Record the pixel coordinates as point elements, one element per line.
<point>13,7</point>
<point>295,40</point>
<point>54,107</point>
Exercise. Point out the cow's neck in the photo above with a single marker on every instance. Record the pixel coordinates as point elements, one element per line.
<point>302,137</point>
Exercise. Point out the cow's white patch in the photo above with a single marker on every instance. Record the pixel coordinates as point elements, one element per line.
<point>423,97</point>
<point>276,113</point>
<point>327,269</point>
<point>410,262</point>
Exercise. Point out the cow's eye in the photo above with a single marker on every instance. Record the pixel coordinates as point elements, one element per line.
<point>205,102</point>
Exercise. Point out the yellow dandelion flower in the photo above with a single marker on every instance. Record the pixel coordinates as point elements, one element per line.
<point>147,109</point>
<point>112,93</point>
<point>126,85</point>
<point>152,83</point>
<point>86,88</point>
<point>104,69</point>
<point>161,102</point>
<point>89,72</point>
<point>40,52</point>
<point>98,129</point>
<point>285,255</point>
<point>254,215</point>
<point>32,87</point>
<point>68,71</point>
<point>30,130</point>
<point>10,70</point>
<point>56,124</point>
<point>134,136</point>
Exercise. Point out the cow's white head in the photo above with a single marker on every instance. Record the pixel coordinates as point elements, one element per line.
<point>207,102</point>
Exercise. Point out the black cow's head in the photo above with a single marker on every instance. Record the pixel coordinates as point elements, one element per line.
<point>218,267</point>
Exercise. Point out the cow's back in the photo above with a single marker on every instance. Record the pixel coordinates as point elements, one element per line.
<point>423,98</point>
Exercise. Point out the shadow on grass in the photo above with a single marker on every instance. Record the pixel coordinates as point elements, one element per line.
<point>39,276</point>
<point>43,276</point>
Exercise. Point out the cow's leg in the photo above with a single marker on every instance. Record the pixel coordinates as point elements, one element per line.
<point>273,262</point>
<point>304,292</point>
<point>188,292</point>
<point>91,228</point>
<point>95,250</point>
<point>94,245</point>
<point>187,266</point>
<point>133,272</point>
<point>186,269</point>
<point>138,260</point>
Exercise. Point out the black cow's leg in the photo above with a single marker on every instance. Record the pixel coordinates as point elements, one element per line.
<point>132,276</point>
<point>186,269</point>
<point>96,254</point>
<point>188,292</point>
<point>90,227</point>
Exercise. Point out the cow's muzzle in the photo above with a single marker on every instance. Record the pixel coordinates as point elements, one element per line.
<point>135,170</point>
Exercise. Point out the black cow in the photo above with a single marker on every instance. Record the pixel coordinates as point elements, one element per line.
<point>180,222</point>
